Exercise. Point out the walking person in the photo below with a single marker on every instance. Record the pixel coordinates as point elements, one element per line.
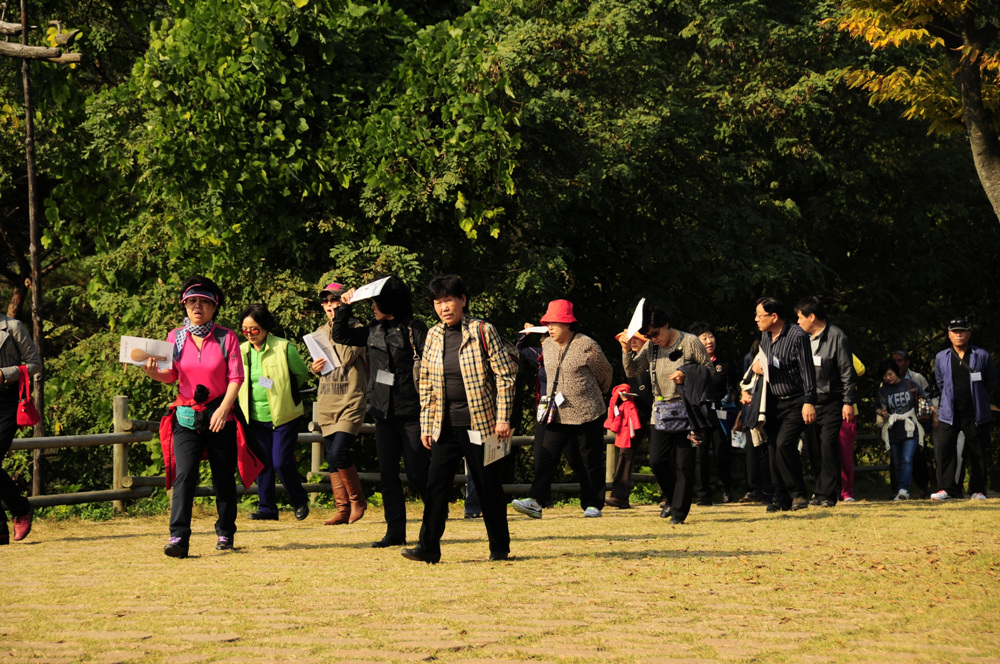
<point>578,375</point>
<point>901,430</point>
<point>394,341</point>
<point>671,445</point>
<point>208,371</point>
<point>269,399</point>
<point>836,386</point>
<point>965,376</point>
<point>16,349</point>
<point>790,400</point>
<point>466,396</point>
<point>639,393</point>
<point>340,402</point>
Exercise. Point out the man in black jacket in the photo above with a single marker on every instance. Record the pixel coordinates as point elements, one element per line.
<point>836,385</point>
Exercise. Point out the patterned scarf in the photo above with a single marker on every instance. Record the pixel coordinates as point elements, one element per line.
<point>197,330</point>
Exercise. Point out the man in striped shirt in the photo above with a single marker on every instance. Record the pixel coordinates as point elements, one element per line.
<point>791,399</point>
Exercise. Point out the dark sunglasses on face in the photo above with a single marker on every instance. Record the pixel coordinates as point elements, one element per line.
<point>250,330</point>
<point>328,300</point>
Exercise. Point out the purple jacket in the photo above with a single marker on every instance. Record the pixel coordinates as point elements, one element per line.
<point>979,361</point>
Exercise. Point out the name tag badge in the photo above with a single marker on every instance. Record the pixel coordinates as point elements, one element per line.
<point>265,382</point>
<point>559,398</point>
<point>817,361</point>
<point>475,437</point>
<point>976,376</point>
<point>384,377</point>
<point>722,415</point>
<point>776,362</point>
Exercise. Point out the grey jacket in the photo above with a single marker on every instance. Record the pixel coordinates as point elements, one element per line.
<point>836,380</point>
<point>16,347</point>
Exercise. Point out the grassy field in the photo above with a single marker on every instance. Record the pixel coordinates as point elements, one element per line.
<point>871,582</point>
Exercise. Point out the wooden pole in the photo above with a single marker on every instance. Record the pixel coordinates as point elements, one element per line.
<point>317,447</point>
<point>120,451</point>
<point>35,251</point>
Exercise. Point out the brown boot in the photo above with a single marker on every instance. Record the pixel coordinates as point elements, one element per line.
<point>352,483</point>
<point>341,499</point>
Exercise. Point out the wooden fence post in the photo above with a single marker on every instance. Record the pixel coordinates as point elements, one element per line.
<point>120,451</point>
<point>610,459</point>
<point>317,448</point>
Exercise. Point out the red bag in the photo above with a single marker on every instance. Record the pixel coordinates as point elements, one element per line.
<point>27,414</point>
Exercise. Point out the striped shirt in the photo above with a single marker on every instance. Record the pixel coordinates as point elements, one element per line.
<point>789,363</point>
<point>491,398</point>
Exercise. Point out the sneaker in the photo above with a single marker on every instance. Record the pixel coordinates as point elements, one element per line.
<point>752,497</point>
<point>978,496</point>
<point>528,507</point>
<point>176,548</point>
<point>22,525</point>
<point>902,495</point>
<point>799,504</point>
<point>591,513</point>
<point>225,543</point>
<point>849,499</point>
<point>940,496</point>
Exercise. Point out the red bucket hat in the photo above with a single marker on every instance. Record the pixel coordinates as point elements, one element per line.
<point>559,311</point>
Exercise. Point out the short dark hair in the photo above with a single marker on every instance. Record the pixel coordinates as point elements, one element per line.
<point>810,305</point>
<point>260,313</point>
<point>888,365</point>
<point>205,283</point>
<point>772,305</point>
<point>700,327</point>
<point>395,300</point>
<point>654,317</point>
<point>447,285</point>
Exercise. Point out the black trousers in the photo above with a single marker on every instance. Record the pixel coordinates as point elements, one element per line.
<point>758,468</point>
<point>621,479</point>
<point>977,441</point>
<point>784,427</point>
<point>584,448</point>
<point>189,446</point>
<point>446,456</point>
<point>671,457</point>
<point>395,440</point>
<point>716,443</point>
<point>9,493</point>
<point>822,441</point>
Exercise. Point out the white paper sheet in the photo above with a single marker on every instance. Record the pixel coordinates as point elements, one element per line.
<point>321,348</point>
<point>136,350</point>
<point>538,329</point>
<point>494,449</point>
<point>636,322</point>
<point>369,290</point>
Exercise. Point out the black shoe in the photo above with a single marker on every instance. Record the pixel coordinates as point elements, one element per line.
<point>301,512</point>
<point>815,501</point>
<point>225,543</point>
<point>728,497</point>
<point>264,516</point>
<point>473,515</point>
<point>799,504</point>
<point>388,541</point>
<point>176,548</point>
<point>777,507</point>
<point>674,521</point>
<point>704,502</point>
<point>827,503</point>
<point>422,555</point>
<point>752,497</point>
<point>499,555</point>
<point>665,513</point>
<point>617,502</point>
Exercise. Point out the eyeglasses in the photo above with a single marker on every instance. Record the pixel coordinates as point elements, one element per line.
<point>250,330</point>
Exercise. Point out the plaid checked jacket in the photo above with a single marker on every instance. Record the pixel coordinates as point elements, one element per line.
<point>491,399</point>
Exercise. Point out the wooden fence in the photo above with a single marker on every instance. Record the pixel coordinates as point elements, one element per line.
<point>131,487</point>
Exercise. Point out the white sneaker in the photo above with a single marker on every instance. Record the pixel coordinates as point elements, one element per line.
<point>849,499</point>
<point>940,496</point>
<point>902,495</point>
<point>528,507</point>
<point>978,496</point>
<point>592,512</point>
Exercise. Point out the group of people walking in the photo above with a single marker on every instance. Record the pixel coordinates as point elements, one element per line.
<point>444,394</point>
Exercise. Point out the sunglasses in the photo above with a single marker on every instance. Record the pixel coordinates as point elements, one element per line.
<point>250,330</point>
<point>329,299</point>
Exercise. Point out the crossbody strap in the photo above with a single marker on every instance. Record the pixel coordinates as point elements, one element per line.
<point>555,379</point>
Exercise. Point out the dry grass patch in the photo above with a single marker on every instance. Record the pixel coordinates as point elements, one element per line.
<point>873,583</point>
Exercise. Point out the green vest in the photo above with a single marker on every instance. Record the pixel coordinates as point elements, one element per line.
<point>274,365</point>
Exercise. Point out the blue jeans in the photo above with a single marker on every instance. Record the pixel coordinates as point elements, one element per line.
<point>278,443</point>
<point>902,460</point>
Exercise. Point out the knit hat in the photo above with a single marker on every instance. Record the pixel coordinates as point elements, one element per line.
<point>559,311</point>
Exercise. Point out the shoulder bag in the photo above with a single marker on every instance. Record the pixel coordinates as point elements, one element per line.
<point>27,414</point>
